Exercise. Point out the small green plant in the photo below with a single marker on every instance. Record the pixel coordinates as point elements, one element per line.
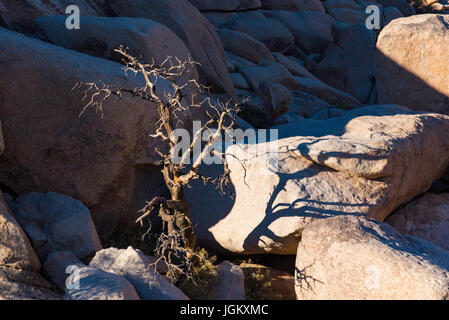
<point>202,285</point>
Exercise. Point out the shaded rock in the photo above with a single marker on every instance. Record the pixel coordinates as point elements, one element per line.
<point>19,284</point>
<point>136,267</point>
<point>15,248</point>
<point>349,4</point>
<point>56,267</point>
<point>230,283</point>
<point>239,81</point>
<point>348,64</point>
<point>325,114</point>
<point>19,15</point>
<point>324,92</point>
<point>19,265</point>
<point>295,68</point>
<point>347,15</point>
<point>293,5</point>
<point>267,71</point>
<point>55,222</point>
<point>416,77</point>
<point>367,162</point>
<point>97,284</point>
<point>390,14</point>
<point>269,102</point>
<point>272,33</point>
<point>312,30</point>
<point>192,27</point>
<point>249,4</point>
<point>304,104</point>
<point>356,258</point>
<point>264,283</point>
<point>403,5</point>
<point>100,36</point>
<point>2,142</point>
<point>237,62</point>
<point>92,157</point>
<point>213,5</point>
<point>426,217</point>
<point>245,46</point>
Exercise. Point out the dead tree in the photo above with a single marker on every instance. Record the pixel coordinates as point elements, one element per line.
<point>179,239</point>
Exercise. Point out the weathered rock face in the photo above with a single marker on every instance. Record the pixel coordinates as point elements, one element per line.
<point>19,265</point>
<point>267,71</point>
<point>312,30</point>
<point>272,33</point>
<point>368,162</point>
<point>325,92</point>
<point>231,282</point>
<point>2,142</point>
<point>59,265</point>
<point>51,147</point>
<point>19,15</point>
<point>426,217</point>
<point>97,284</point>
<point>99,36</point>
<point>244,45</point>
<point>15,248</point>
<point>402,5</point>
<point>338,67</point>
<point>192,27</point>
<point>416,77</point>
<point>55,222</point>
<point>356,258</point>
<point>19,284</point>
<point>293,5</point>
<point>136,267</point>
<point>213,5</point>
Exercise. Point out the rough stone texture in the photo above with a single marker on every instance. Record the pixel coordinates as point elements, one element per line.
<point>2,142</point>
<point>97,284</point>
<point>231,282</point>
<point>51,147</point>
<point>99,36</point>
<point>426,217</point>
<point>403,5</point>
<point>244,45</point>
<point>267,71</point>
<point>293,5</point>
<point>356,258</point>
<point>214,5</point>
<point>15,248</point>
<point>348,64</point>
<point>272,33</point>
<point>304,105</point>
<point>56,267</point>
<point>325,92</point>
<point>19,284</point>
<point>347,15</point>
<point>390,14</point>
<point>249,5</point>
<point>416,77</point>
<point>312,30</point>
<point>239,81</point>
<point>135,266</point>
<point>19,15</point>
<point>19,265</point>
<point>295,68</point>
<point>268,283</point>
<point>192,27</point>
<point>367,162</point>
<point>55,222</point>
<point>332,4</point>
